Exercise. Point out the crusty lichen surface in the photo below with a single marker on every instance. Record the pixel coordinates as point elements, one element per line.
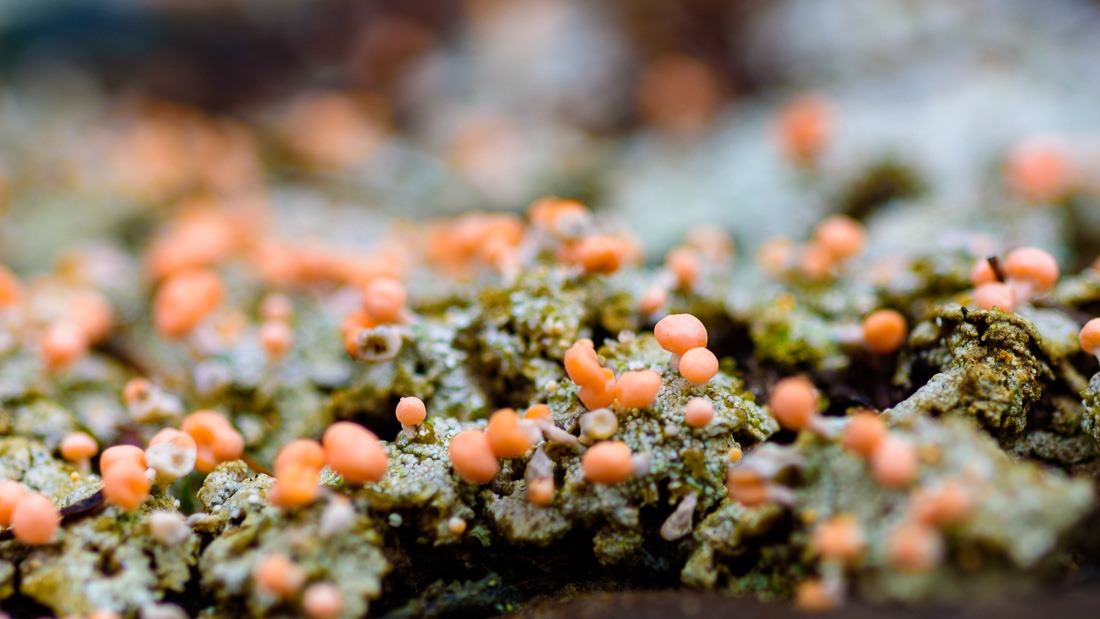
<point>106,560</point>
<point>1004,403</point>
<point>246,529</point>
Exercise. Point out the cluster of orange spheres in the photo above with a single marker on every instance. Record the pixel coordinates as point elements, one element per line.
<point>475,453</point>
<point>835,241</point>
<point>276,335</point>
<point>894,459</point>
<point>352,451</point>
<point>279,576</point>
<point>597,383</point>
<point>599,388</point>
<point>685,337</point>
<point>384,300</point>
<point>206,438</point>
<point>87,319</point>
<point>1028,272</point>
<point>32,517</point>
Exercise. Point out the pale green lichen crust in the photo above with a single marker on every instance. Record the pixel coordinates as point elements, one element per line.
<point>246,529</point>
<point>989,398</point>
<point>1020,514</point>
<point>108,559</point>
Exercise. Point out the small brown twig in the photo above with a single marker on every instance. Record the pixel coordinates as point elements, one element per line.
<point>998,268</point>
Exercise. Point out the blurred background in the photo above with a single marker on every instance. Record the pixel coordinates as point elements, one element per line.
<point>932,116</point>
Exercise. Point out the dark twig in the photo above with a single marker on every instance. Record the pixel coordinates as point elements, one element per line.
<point>998,268</point>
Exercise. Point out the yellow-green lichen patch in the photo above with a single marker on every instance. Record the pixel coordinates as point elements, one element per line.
<point>1019,513</point>
<point>347,555</point>
<point>111,561</point>
<point>990,369</point>
<point>106,560</point>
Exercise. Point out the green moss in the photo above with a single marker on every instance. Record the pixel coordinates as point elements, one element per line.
<point>791,336</point>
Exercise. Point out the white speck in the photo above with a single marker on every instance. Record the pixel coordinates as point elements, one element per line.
<point>168,528</point>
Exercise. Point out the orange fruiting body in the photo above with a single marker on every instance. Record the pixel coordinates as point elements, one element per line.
<point>982,273</point>
<point>35,520</point>
<point>805,126</point>
<point>684,264</point>
<point>228,445</point>
<point>295,486</point>
<point>172,454</point>
<point>793,402</point>
<point>995,295</point>
<point>62,343</point>
<point>601,254</point>
<point>184,300</point>
<point>278,575</point>
<point>914,547</point>
<point>11,492</point>
<point>816,263</point>
<point>411,411</point>
<point>540,491</point>
<point>276,338</point>
<point>679,333</point>
<point>609,462</point>
<point>884,331</point>
<point>840,236</point>
<point>355,453</point>
<point>276,307</point>
<point>812,595</point>
<point>1090,337</point>
<point>895,462</point>
<point>638,389</point>
<point>136,389</point>
<point>119,454</point>
<point>679,93</point>
<point>353,324</point>
<point>1039,169</point>
<point>216,440</point>
<point>301,453</point>
<point>552,213</point>
<point>472,456</point>
<point>582,365</point>
<point>698,365</point>
<point>11,290</point>
<point>125,484</point>
<point>384,299</point>
<point>652,299</point>
<point>506,439</point>
<point>776,256</point>
<point>746,487</point>
<point>946,504</point>
<point>78,447</point>
<point>322,601</point>
<point>600,394</point>
<point>839,538</point>
<point>538,411</point>
<point>698,412</point>
<point>1033,265</point>
<point>864,433</point>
